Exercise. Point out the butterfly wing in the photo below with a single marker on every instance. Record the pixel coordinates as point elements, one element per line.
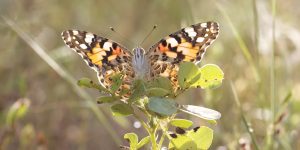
<point>188,44</point>
<point>105,56</point>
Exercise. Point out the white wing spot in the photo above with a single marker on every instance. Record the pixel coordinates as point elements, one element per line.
<point>107,45</point>
<point>75,32</point>
<point>200,39</point>
<point>172,41</point>
<point>189,29</point>
<point>192,34</point>
<point>83,46</point>
<point>89,37</point>
<point>203,25</point>
<point>68,39</point>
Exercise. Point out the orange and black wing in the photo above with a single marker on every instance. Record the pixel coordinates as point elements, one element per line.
<point>188,44</point>
<point>105,56</point>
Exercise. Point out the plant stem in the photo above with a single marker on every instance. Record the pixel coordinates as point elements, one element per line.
<point>153,139</point>
<point>152,132</point>
<point>161,141</point>
<point>162,138</point>
<point>164,130</point>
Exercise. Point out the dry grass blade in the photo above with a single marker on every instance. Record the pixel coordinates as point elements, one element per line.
<point>241,42</point>
<point>65,75</point>
<point>247,125</point>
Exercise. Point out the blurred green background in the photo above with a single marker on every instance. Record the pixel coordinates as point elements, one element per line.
<point>259,54</point>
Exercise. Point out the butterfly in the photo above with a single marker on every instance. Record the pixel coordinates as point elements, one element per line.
<point>109,58</point>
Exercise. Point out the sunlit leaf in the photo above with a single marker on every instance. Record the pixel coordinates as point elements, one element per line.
<point>17,110</point>
<point>88,83</point>
<point>211,77</point>
<point>201,112</point>
<point>188,74</point>
<point>213,122</point>
<point>182,123</point>
<point>85,82</point>
<point>182,142</point>
<point>203,136</point>
<point>132,138</point>
<point>163,106</point>
<point>121,110</point>
<point>143,142</point>
<point>157,92</point>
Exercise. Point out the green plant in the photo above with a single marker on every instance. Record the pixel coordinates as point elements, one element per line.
<point>12,127</point>
<point>153,104</point>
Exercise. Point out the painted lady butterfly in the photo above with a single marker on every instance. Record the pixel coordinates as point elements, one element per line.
<point>109,58</point>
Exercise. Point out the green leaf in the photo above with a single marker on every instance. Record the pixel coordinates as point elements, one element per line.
<point>211,77</point>
<point>138,90</point>
<point>181,142</point>
<point>106,99</point>
<point>162,82</point>
<point>121,110</point>
<point>163,106</point>
<point>117,80</point>
<point>85,82</point>
<point>144,141</point>
<point>213,122</point>
<point>160,92</point>
<point>182,123</point>
<point>201,112</point>
<point>17,110</point>
<point>203,136</point>
<point>132,139</point>
<point>88,83</point>
<point>188,74</point>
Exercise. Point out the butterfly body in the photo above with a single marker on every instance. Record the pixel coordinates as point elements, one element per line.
<point>109,58</point>
<point>140,63</point>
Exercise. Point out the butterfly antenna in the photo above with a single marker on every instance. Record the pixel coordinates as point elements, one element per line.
<point>154,27</point>
<point>121,36</point>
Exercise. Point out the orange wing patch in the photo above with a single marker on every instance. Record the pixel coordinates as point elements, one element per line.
<point>163,48</point>
<point>106,57</point>
<point>188,44</point>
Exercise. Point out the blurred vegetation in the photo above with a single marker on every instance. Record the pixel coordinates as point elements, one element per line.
<point>258,49</point>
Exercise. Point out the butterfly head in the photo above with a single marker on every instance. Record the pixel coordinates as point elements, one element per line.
<point>139,62</point>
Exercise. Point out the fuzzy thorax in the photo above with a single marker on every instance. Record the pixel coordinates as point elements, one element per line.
<point>139,62</point>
